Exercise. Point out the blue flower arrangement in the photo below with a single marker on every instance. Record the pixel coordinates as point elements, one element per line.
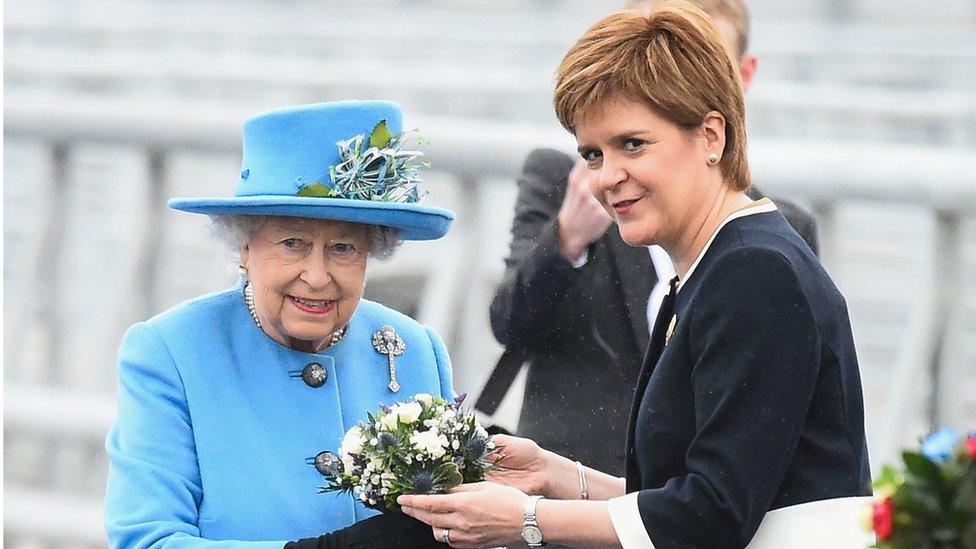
<point>378,169</point>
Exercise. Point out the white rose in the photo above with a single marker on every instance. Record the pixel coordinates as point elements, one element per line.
<point>347,464</point>
<point>409,412</point>
<point>352,443</point>
<point>423,397</point>
<point>429,442</point>
<point>406,413</point>
<point>376,464</point>
<point>389,421</point>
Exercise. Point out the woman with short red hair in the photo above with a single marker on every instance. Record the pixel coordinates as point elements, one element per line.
<point>749,400</point>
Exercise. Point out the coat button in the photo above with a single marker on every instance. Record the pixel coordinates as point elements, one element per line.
<point>327,464</point>
<point>313,374</point>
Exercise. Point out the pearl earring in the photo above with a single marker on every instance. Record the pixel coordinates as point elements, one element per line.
<point>243,270</point>
<point>712,158</point>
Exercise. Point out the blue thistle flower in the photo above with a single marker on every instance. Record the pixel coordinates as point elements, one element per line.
<point>385,441</point>
<point>422,482</point>
<point>458,460</point>
<point>460,398</point>
<point>477,446</point>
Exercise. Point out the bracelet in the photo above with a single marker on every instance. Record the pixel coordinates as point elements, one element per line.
<point>584,489</point>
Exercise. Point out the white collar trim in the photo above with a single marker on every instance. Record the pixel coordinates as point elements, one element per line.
<point>763,205</point>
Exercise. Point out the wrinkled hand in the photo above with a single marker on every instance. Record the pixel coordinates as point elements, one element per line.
<point>483,514</point>
<point>522,465</point>
<point>581,219</point>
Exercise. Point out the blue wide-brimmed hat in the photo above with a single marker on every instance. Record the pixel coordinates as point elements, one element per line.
<point>347,160</point>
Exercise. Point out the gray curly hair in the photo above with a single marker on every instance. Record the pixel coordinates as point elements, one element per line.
<point>237,230</point>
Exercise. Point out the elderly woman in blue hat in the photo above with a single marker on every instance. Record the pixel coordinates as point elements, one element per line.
<point>225,399</point>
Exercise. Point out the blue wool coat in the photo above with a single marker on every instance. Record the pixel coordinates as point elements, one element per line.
<point>213,432</point>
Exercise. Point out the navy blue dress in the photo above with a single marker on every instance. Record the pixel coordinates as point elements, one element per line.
<point>754,403</point>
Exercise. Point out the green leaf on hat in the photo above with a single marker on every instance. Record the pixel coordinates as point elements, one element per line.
<point>381,135</point>
<point>317,190</point>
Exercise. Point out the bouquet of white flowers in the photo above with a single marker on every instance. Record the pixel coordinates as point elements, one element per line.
<point>423,446</point>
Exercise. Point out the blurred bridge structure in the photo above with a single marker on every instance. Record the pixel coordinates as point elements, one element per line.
<point>863,111</point>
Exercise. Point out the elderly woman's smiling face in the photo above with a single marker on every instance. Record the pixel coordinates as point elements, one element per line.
<point>307,276</point>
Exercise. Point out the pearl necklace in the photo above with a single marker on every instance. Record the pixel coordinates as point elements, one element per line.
<point>249,301</point>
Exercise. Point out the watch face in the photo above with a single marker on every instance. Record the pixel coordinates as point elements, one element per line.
<point>532,535</point>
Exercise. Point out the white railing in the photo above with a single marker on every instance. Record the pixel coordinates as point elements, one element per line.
<point>776,107</point>
<point>472,153</point>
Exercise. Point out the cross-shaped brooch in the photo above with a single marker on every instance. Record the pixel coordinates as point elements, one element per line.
<point>387,342</point>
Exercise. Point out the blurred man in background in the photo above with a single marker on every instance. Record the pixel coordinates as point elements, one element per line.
<point>568,276</point>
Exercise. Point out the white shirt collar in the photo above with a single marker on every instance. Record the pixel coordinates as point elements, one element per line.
<point>663,267</point>
<point>763,205</point>
<point>665,272</point>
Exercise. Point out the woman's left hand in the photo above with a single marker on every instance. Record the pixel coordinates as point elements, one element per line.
<point>483,514</point>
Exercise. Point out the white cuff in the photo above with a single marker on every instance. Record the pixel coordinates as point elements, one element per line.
<point>824,523</point>
<point>582,259</point>
<point>627,522</point>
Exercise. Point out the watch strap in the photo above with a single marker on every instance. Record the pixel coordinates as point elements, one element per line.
<point>530,519</point>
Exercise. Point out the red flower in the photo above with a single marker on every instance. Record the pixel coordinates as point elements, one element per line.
<point>884,510</point>
<point>971,446</point>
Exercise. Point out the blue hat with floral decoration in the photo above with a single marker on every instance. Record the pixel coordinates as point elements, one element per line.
<point>347,160</point>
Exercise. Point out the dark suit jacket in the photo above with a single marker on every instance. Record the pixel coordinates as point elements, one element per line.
<point>582,331</point>
<point>755,402</point>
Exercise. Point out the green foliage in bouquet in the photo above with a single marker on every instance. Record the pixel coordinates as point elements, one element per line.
<point>422,446</point>
<point>932,503</point>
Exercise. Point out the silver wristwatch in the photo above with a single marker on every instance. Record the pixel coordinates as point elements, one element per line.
<point>530,526</point>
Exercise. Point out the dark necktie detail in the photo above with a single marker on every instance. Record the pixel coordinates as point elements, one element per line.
<point>659,338</point>
<point>665,319</point>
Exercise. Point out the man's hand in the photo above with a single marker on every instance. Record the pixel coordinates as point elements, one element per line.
<point>581,219</point>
